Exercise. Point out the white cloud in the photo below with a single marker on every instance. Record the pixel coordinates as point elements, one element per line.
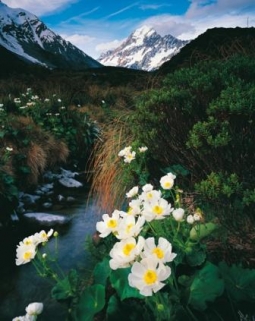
<point>79,41</point>
<point>205,14</point>
<point>40,7</point>
<point>103,47</point>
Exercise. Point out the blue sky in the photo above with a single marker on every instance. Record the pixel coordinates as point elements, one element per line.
<point>96,26</point>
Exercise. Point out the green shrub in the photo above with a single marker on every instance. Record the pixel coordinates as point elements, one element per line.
<point>202,118</point>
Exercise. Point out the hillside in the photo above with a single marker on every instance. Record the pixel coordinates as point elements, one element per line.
<point>216,43</point>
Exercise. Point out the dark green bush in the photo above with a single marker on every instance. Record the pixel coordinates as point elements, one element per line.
<point>202,118</point>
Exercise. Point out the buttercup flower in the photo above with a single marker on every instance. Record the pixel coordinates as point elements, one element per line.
<point>190,219</point>
<point>147,188</point>
<point>167,181</point>
<point>147,276</point>
<point>132,192</point>
<point>150,196</point>
<point>178,214</point>
<point>125,252</point>
<point>142,149</point>
<point>42,236</point>
<point>129,227</point>
<point>34,308</point>
<point>134,207</point>
<point>129,157</point>
<point>125,151</point>
<point>156,210</point>
<point>109,224</point>
<point>25,253</point>
<point>22,318</point>
<point>163,251</point>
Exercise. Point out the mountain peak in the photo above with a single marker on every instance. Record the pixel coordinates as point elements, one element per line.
<point>144,49</point>
<point>24,35</point>
<point>143,31</point>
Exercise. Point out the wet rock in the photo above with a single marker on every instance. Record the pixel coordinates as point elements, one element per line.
<point>70,182</point>
<point>46,219</point>
<point>47,205</point>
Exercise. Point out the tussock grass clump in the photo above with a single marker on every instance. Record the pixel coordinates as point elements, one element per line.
<point>27,151</point>
<point>109,183</point>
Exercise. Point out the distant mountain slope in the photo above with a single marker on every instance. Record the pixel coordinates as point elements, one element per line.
<point>216,43</point>
<point>23,34</point>
<point>144,49</point>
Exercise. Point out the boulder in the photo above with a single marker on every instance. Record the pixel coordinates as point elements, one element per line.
<point>46,219</point>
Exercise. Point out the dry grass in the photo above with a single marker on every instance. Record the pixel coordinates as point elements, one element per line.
<point>39,150</point>
<point>36,161</point>
<point>107,184</point>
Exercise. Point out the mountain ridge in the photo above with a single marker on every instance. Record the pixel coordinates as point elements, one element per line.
<point>144,49</point>
<point>23,34</point>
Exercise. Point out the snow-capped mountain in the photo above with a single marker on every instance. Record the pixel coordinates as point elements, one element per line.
<point>143,49</point>
<point>23,34</point>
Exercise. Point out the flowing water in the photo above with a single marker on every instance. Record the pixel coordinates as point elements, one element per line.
<point>20,285</point>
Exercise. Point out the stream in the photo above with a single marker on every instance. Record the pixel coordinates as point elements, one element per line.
<point>20,285</point>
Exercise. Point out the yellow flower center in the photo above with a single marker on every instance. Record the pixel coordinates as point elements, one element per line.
<point>112,223</point>
<point>150,277</point>
<point>28,242</point>
<point>157,209</point>
<point>27,255</point>
<point>128,248</point>
<point>167,184</point>
<point>158,252</point>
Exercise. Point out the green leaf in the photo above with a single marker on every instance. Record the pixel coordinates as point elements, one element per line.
<point>102,271</point>
<point>127,310</point>
<point>62,290</point>
<point>91,302</point>
<point>239,282</point>
<point>196,257</point>
<point>119,281</point>
<point>207,285</point>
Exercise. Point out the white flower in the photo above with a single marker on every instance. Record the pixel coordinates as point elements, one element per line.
<point>129,227</point>
<point>42,236</point>
<point>125,151</point>
<point>22,318</point>
<point>25,253</point>
<point>132,192</point>
<point>178,214</point>
<point>147,276</point>
<point>147,188</point>
<point>9,149</point>
<point>125,252</point>
<point>163,251</point>
<point>156,210</point>
<point>34,308</point>
<point>142,149</point>
<point>190,219</point>
<point>109,224</point>
<point>134,207</point>
<point>30,240</point>
<point>150,196</point>
<point>167,181</point>
<point>129,157</point>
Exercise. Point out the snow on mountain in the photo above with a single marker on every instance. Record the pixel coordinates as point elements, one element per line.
<point>143,49</point>
<point>26,36</point>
